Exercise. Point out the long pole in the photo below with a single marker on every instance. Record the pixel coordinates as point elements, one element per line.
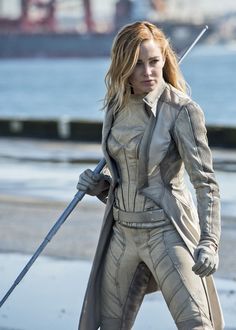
<point>193,44</point>
<point>77,198</point>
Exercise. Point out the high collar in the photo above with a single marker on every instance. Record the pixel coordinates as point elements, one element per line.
<point>152,98</point>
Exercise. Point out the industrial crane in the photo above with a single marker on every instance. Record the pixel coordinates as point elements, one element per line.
<point>45,18</point>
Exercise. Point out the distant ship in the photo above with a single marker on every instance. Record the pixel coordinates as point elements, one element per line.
<point>20,45</point>
<point>24,37</point>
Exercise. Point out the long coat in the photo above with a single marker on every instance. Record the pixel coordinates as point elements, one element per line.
<point>174,140</point>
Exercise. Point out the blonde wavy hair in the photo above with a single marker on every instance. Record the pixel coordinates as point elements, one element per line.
<point>124,56</point>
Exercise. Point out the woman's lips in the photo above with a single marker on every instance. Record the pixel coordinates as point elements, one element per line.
<point>148,82</point>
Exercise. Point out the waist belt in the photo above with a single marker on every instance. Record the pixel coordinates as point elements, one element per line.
<point>139,217</point>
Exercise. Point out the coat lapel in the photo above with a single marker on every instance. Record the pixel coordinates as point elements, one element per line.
<point>143,153</point>
<point>105,133</point>
<point>145,147</point>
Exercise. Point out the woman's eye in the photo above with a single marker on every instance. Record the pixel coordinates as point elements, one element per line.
<point>155,61</point>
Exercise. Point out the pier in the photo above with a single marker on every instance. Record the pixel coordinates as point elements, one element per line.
<point>91,131</point>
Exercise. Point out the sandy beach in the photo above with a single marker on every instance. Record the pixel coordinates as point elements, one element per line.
<point>33,195</point>
<point>25,222</point>
<point>52,290</point>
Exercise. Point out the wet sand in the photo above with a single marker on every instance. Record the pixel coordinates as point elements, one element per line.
<point>24,223</point>
<point>51,296</point>
<point>53,290</point>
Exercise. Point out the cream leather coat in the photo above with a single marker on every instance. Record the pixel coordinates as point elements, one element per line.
<point>175,139</point>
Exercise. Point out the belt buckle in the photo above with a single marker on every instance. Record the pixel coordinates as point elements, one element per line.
<point>115,213</point>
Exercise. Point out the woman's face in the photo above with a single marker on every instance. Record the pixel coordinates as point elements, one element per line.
<point>148,71</point>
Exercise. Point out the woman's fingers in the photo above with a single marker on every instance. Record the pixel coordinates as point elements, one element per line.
<point>88,180</point>
<point>205,264</point>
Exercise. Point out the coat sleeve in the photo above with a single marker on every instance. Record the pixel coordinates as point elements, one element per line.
<point>191,138</point>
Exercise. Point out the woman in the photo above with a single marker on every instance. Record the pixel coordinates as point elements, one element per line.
<point>152,236</point>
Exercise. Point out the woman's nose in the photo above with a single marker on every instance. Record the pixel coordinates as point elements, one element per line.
<point>147,70</point>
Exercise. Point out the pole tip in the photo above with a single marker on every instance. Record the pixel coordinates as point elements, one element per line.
<point>206,27</point>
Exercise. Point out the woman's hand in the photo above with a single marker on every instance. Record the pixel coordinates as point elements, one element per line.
<point>92,184</point>
<point>206,260</point>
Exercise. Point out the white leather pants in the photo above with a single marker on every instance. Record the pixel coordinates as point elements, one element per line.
<point>165,254</point>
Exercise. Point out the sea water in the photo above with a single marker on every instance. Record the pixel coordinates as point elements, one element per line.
<point>52,88</point>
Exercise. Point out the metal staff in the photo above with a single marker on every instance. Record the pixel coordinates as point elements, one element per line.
<point>194,43</point>
<point>77,198</point>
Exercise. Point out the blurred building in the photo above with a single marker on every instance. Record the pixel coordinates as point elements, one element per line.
<point>81,15</point>
<point>86,27</point>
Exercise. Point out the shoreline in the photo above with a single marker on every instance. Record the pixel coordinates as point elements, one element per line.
<point>56,282</point>
<point>41,151</point>
<point>52,295</point>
